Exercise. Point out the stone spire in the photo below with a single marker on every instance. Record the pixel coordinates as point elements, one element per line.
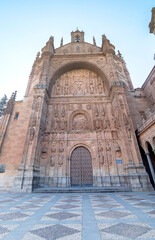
<point>107,47</point>
<point>94,41</point>
<point>10,103</point>
<point>61,42</point>
<point>49,46</point>
<point>119,54</point>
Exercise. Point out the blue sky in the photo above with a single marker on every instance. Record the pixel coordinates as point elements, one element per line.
<point>26,25</point>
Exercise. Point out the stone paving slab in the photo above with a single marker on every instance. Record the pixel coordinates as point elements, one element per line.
<point>83,216</point>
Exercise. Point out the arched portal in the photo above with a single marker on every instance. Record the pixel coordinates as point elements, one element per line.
<point>81,167</point>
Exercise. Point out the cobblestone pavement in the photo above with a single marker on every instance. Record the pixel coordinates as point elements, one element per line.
<point>84,216</point>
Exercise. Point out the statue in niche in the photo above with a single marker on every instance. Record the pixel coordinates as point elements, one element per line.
<point>115,122</point>
<point>121,103</point>
<point>91,89</point>
<point>80,122</point>
<point>100,85</point>
<point>52,125</point>
<point>106,123</point>
<point>74,91</point>
<point>103,110</point>
<point>118,151</point>
<point>56,125</point>
<point>125,119</point>
<point>97,124</point>
<point>34,120</point>
<point>44,152</point>
<point>83,91</point>
<point>48,126</point>
<point>63,111</point>
<point>61,149</point>
<point>88,107</point>
<point>108,151</point>
<point>128,130</point>
<point>100,152</point>
<point>60,159</point>
<point>52,160</point>
<point>53,149</point>
<point>79,87</point>
<point>91,81</point>
<point>66,88</point>
<point>56,110</point>
<point>70,107</point>
<point>96,110</point>
<point>63,124</point>
<point>57,87</point>
<point>37,104</point>
<point>114,134</point>
<point>32,133</point>
<point>101,158</point>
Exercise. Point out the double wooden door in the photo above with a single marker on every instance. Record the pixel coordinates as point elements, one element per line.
<point>81,167</point>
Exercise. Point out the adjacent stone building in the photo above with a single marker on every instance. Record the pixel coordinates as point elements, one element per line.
<point>76,124</point>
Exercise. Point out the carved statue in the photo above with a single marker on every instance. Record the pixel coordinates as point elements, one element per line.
<point>118,151</point>
<point>63,111</point>
<point>103,111</point>
<point>52,160</point>
<point>101,158</point>
<point>60,161</point>
<point>96,110</point>
<point>63,124</point>
<point>125,119</point>
<point>66,89</point>
<point>32,133</point>
<point>97,123</point>
<point>44,152</point>
<point>91,89</point>
<point>109,157</point>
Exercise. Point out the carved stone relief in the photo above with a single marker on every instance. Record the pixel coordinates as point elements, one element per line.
<point>78,83</point>
<point>52,160</point>
<point>80,122</point>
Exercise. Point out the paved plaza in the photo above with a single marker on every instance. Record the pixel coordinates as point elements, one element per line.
<point>79,216</point>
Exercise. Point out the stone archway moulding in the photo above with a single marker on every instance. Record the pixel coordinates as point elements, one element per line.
<point>81,144</point>
<point>75,66</point>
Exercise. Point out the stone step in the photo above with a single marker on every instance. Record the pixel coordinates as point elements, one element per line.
<point>81,190</point>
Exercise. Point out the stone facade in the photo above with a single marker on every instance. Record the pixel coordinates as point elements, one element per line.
<point>79,100</point>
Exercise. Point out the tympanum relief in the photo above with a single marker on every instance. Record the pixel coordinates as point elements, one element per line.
<point>78,83</point>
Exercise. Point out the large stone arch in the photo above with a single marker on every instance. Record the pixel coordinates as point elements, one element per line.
<point>75,66</point>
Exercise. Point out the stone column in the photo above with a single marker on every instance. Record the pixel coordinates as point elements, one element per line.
<point>150,166</point>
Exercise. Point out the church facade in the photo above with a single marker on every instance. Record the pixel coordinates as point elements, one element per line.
<point>76,124</point>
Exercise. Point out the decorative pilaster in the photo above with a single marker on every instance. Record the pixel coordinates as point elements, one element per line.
<point>28,172</point>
